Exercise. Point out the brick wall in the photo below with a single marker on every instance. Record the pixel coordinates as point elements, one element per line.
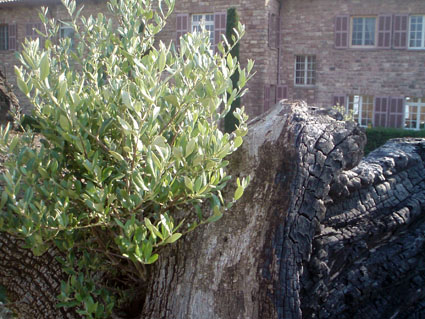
<point>308,29</point>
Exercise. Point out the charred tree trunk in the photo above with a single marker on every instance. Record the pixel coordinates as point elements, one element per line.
<point>7,99</point>
<point>318,234</point>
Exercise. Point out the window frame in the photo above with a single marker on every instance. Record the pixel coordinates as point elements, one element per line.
<point>210,23</point>
<point>363,46</point>
<point>306,70</point>
<point>370,121</point>
<point>6,39</point>
<point>420,106</point>
<point>422,47</point>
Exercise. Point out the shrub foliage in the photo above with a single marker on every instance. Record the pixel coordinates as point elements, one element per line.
<point>378,136</point>
<point>131,152</point>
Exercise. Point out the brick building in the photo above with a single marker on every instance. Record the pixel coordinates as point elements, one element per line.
<point>368,55</point>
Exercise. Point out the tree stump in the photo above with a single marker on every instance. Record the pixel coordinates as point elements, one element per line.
<point>319,233</point>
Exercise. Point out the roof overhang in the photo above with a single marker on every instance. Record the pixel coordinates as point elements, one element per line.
<point>20,3</point>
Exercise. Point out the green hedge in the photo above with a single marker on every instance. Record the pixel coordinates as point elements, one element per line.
<point>379,136</point>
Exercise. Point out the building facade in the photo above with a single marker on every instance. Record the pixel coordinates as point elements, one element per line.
<point>366,55</point>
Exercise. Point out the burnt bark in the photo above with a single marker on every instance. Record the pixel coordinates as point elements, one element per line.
<point>319,233</point>
<point>7,99</point>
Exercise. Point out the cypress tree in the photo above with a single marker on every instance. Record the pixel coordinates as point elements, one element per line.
<point>230,122</point>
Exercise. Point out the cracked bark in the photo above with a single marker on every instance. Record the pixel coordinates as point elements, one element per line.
<point>32,283</point>
<point>319,233</point>
<point>7,99</point>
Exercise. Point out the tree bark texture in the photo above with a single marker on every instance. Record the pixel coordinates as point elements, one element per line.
<point>319,233</point>
<point>32,283</point>
<point>7,98</point>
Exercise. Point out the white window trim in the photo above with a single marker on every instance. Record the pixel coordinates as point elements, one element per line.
<point>423,32</point>
<point>306,56</point>
<point>360,110</point>
<point>207,23</point>
<point>351,45</point>
<point>420,104</point>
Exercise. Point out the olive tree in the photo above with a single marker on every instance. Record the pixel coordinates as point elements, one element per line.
<point>131,154</point>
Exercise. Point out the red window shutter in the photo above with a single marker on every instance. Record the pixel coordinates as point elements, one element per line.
<point>396,112</point>
<point>338,100</point>
<point>400,25</point>
<point>384,31</point>
<point>266,97</point>
<point>281,92</point>
<point>219,27</point>
<point>182,26</point>
<point>341,31</point>
<point>380,112</point>
<point>28,30</point>
<point>273,94</point>
<point>13,34</point>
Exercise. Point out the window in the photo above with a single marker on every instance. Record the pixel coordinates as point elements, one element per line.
<point>4,37</point>
<point>362,108</point>
<point>67,32</point>
<point>207,20</point>
<point>363,31</point>
<point>417,32</point>
<point>414,114</point>
<point>215,23</point>
<point>305,70</point>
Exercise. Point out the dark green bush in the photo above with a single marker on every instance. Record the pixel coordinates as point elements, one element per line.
<point>230,121</point>
<point>31,122</point>
<point>379,136</point>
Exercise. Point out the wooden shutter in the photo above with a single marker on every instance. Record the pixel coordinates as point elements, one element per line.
<point>28,30</point>
<point>13,34</point>
<point>182,26</point>
<point>219,27</point>
<point>380,111</point>
<point>384,31</point>
<point>281,92</point>
<point>341,31</point>
<point>338,99</point>
<point>273,95</point>
<point>266,97</point>
<point>396,112</point>
<point>400,31</point>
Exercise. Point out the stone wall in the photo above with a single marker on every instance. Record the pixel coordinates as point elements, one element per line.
<point>308,29</point>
